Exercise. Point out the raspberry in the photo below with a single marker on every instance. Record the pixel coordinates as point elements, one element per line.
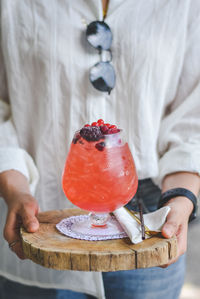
<point>104,129</point>
<point>94,124</point>
<point>100,122</point>
<point>100,146</point>
<point>113,127</point>
<point>87,125</point>
<point>91,133</point>
<point>110,131</point>
<point>108,125</point>
<point>113,130</point>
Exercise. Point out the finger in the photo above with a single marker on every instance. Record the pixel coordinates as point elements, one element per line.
<point>171,225</point>
<point>182,239</point>
<point>18,250</point>
<point>10,231</point>
<point>11,234</point>
<point>170,263</point>
<point>28,214</point>
<point>169,229</point>
<point>181,243</point>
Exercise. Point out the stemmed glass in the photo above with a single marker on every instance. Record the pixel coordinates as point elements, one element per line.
<point>99,174</point>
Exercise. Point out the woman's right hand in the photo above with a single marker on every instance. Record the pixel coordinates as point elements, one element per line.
<point>22,209</point>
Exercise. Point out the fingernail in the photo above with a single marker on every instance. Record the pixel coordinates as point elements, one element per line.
<point>168,231</point>
<point>32,225</point>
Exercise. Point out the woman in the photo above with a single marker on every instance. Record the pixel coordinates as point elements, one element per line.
<point>46,95</point>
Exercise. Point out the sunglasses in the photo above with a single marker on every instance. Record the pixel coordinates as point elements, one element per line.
<point>102,74</point>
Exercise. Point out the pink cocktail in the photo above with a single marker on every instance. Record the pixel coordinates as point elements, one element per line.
<point>99,174</point>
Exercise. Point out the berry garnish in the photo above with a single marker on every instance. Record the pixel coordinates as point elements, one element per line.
<point>100,122</point>
<point>100,146</point>
<point>76,137</point>
<point>113,131</point>
<point>113,127</point>
<point>96,131</point>
<point>94,124</point>
<point>104,129</point>
<point>91,133</point>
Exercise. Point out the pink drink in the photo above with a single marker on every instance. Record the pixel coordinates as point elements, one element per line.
<point>100,176</point>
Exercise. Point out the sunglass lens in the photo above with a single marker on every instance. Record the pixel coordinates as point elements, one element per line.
<point>99,35</point>
<point>102,76</point>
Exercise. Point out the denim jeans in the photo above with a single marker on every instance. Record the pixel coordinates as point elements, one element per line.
<point>151,283</point>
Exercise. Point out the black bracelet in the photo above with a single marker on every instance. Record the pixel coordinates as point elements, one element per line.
<point>166,196</point>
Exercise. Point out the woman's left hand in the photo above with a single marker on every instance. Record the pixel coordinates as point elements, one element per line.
<point>177,224</point>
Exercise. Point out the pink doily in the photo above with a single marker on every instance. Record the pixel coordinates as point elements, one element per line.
<point>79,227</point>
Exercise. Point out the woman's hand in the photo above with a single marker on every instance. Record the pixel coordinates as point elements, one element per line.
<point>22,209</point>
<point>177,224</point>
<point>181,208</point>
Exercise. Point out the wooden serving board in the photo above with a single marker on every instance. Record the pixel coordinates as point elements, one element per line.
<point>51,249</point>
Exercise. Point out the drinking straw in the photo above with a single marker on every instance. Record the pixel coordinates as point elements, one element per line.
<point>147,230</point>
<point>141,218</point>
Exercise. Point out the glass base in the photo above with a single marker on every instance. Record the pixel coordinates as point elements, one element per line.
<point>79,227</point>
<point>99,219</point>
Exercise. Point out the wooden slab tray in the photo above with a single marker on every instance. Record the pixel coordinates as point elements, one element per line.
<point>49,248</point>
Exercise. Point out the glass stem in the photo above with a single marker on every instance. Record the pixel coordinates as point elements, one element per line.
<point>99,219</point>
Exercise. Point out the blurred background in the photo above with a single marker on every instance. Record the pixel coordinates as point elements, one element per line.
<point>191,289</point>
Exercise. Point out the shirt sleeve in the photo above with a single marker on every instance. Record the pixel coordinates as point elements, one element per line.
<point>179,137</point>
<point>11,155</point>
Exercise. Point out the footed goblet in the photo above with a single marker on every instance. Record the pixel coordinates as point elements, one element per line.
<point>99,174</point>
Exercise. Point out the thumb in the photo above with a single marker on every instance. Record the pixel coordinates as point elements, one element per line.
<point>171,225</point>
<point>169,229</point>
<point>29,219</point>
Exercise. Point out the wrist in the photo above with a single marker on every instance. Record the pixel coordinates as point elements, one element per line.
<point>13,182</point>
<point>185,203</point>
<point>184,196</point>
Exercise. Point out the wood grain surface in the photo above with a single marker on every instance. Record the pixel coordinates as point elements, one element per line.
<point>51,249</point>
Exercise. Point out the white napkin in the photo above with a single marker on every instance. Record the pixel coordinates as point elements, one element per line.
<point>154,221</point>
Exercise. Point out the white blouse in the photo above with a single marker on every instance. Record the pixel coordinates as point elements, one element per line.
<point>46,96</point>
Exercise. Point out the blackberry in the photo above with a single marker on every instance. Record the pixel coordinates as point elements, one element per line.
<point>76,138</point>
<point>100,146</point>
<point>91,133</point>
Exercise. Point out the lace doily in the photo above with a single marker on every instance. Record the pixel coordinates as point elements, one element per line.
<point>79,227</point>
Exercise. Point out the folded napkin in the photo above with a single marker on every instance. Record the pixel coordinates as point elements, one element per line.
<point>154,221</point>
